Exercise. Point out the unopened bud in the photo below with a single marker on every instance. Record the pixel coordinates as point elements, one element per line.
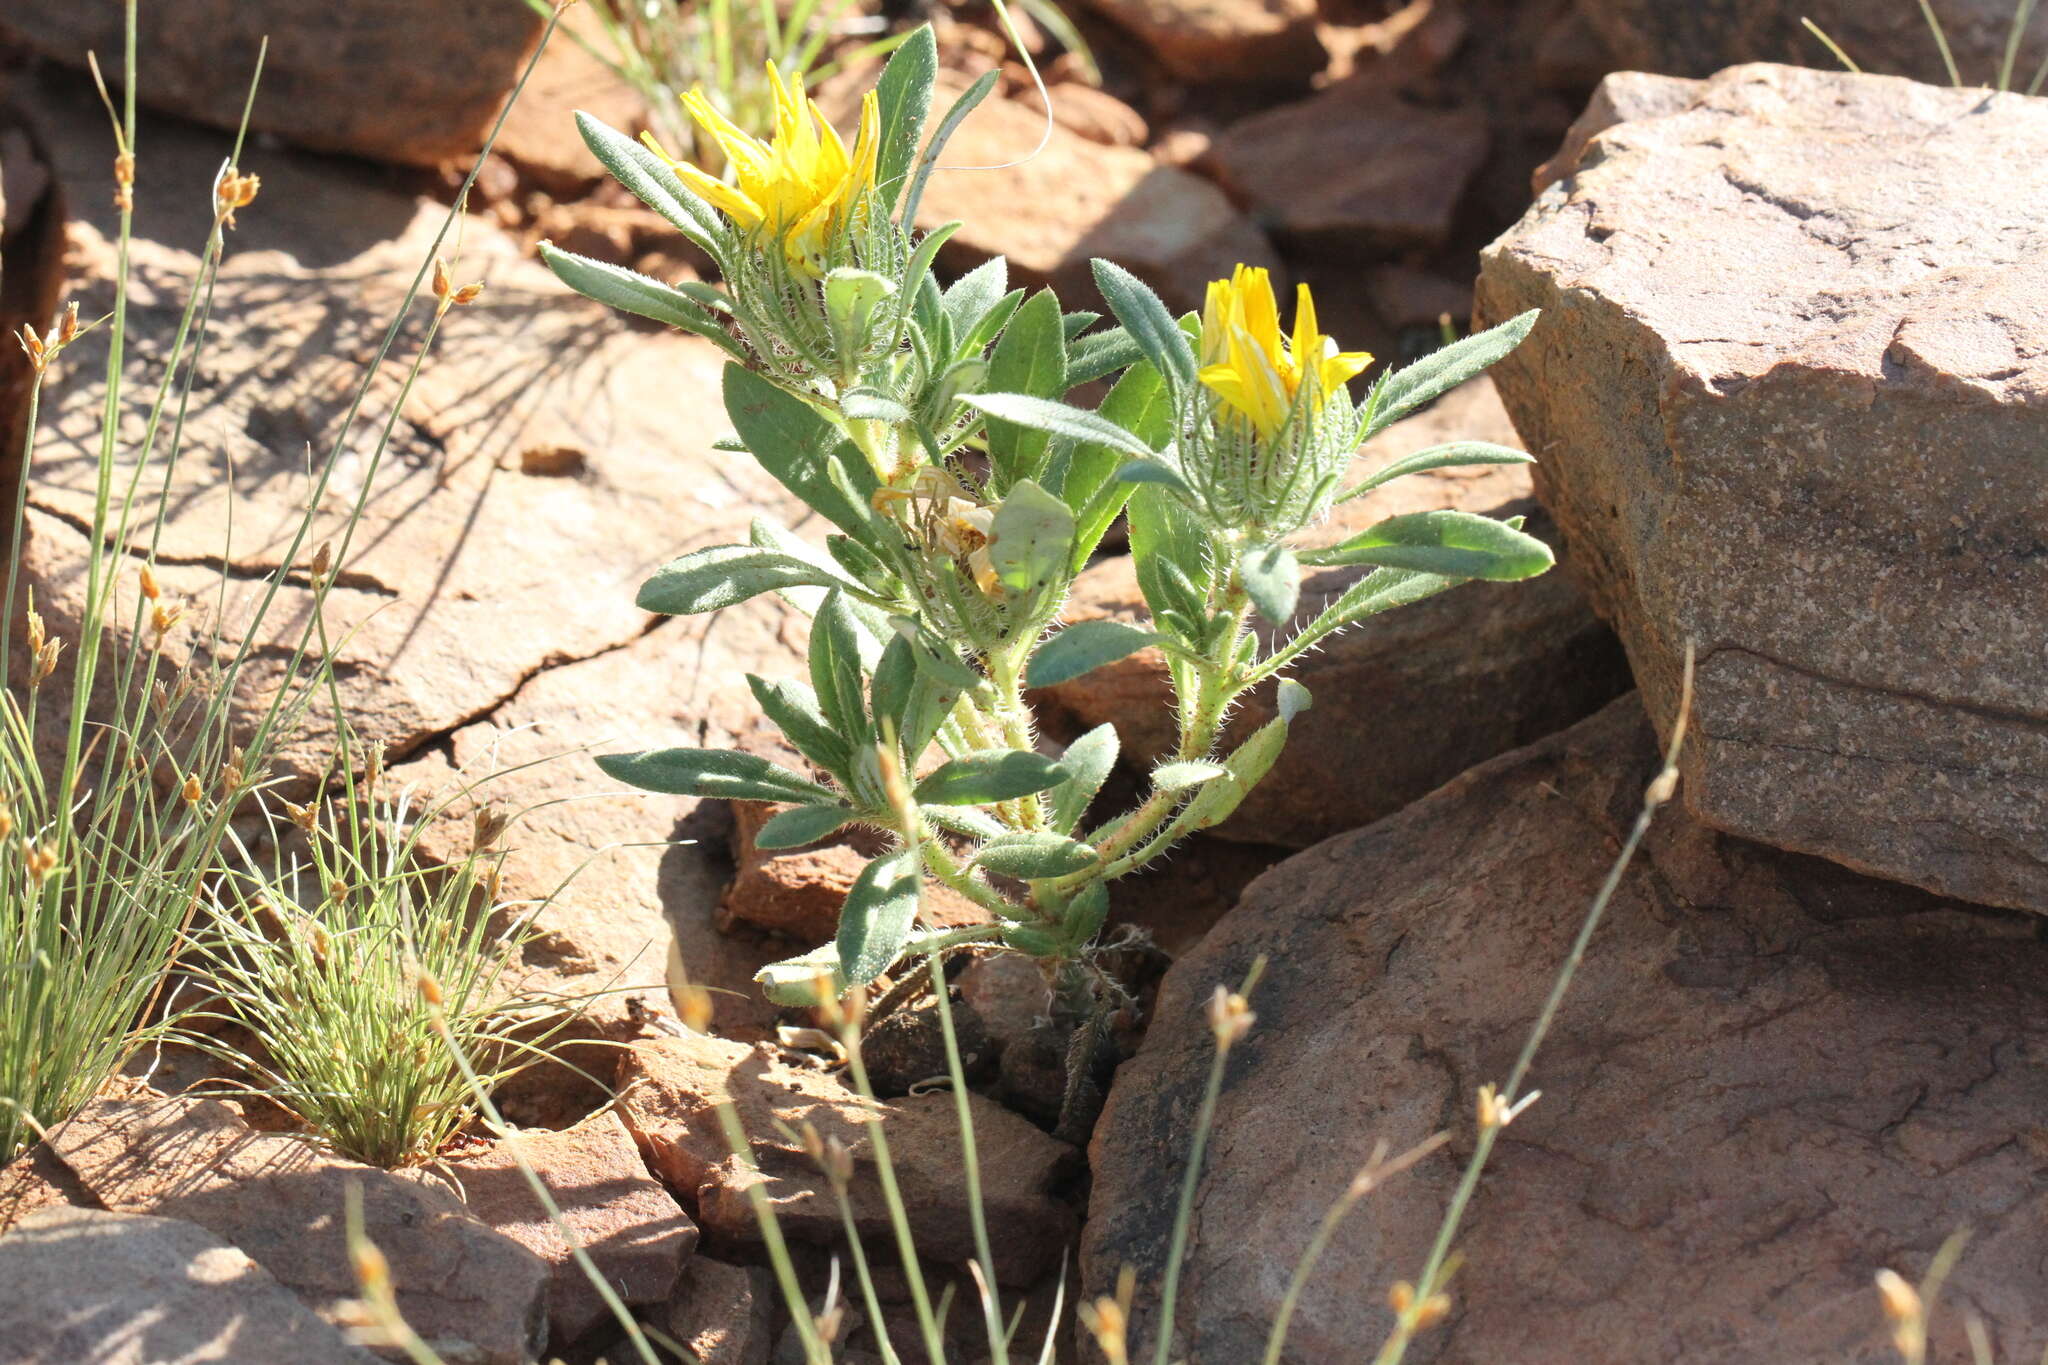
<point>1230,1017</point>
<point>6,822</point>
<point>38,354</point>
<point>1432,1311</point>
<point>67,324</point>
<point>39,862</point>
<point>373,1272</point>
<point>487,826</point>
<point>302,816</point>
<point>1401,1297</point>
<point>323,560</point>
<point>193,791</point>
<point>150,587</point>
<point>693,1005</point>
<point>442,285</point>
<point>35,630</point>
<point>46,660</point>
<point>430,989</point>
<point>468,293</point>
<point>162,618</point>
<point>337,891</point>
<point>1901,1300</point>
<point>1662,788</point>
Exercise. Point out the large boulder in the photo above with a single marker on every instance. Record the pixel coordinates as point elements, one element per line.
<point>1790,396</point>
<point>282,1200</point>
<point>128,1289</point>
<point>1771,1077</point>
<point>620,1216</point>
<point>1355,171</point>
<point>396,80</point>
<point>1052,209</point>
<point>1225,40</point>
<point>1700,37</point>
<point>1405,701</point>
<point>670,1090</point>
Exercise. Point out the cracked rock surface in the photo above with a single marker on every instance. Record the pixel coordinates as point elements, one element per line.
<point>1772,1077</point>
<point>1790,399</point>
<point>469,575</point>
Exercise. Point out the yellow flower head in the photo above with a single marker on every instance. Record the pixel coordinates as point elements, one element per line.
<point>802,186</point>
<point>1253,367</point>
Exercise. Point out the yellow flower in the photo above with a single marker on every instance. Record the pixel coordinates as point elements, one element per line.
<point>1253,367</point>
<point>801,187</point>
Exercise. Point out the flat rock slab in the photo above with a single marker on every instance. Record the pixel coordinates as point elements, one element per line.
<point>1790,399</point>
<point>1405,701</point>
<point>281,1200</point>
<point>669,1091</point>
<point>477,565</point>
<point>389,79</point>
<point>1699,37</point>
<point>1771,1078</point>
<point>81,1285</point>
<point>622,1217</point>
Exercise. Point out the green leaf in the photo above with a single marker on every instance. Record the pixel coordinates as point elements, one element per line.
<point>1293,699</point>
<point>800,825</point>
<point>1087,761</point>
<point>992,775</point>
<point>1101,353</point>
<point>614,286</point>
<point>1073,324</point>
<point>1145,470</point>
<point>1455,455</point>
<point>1399,394</point>
<point>1061,419</point>
<point>1141,405</point>
<point>1084,647</point>
<point>1166,543</point>
<point>724,773</point>
<point>1272,578</point>
<point>766,535</point>
<point>1029,358</point>
<point>794,709</point>
<point>894,683</point>
<point>870,406</point>
<point>936,656</point>
<point>1452,544</point>
<point>851,298</point>
<point>721,575</point>
<point>794,442</point>
<point>975,824</point>
<point>1380,592</point>
<point>1148,322</point>
<point>975,295</point>
<point>879,913</point>
<point>1031,538</point>
<point>1031,854</point>
<point>794,980</point>
<point>835,659</point>
<point>962,107</point>
<point>658,187</point>
<point>903,99</point>
<point>1191,772</point>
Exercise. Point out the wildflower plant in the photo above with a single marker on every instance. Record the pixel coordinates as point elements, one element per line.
<point>930,426</point>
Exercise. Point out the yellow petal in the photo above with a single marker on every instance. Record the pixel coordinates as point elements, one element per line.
<point>734,203</point>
